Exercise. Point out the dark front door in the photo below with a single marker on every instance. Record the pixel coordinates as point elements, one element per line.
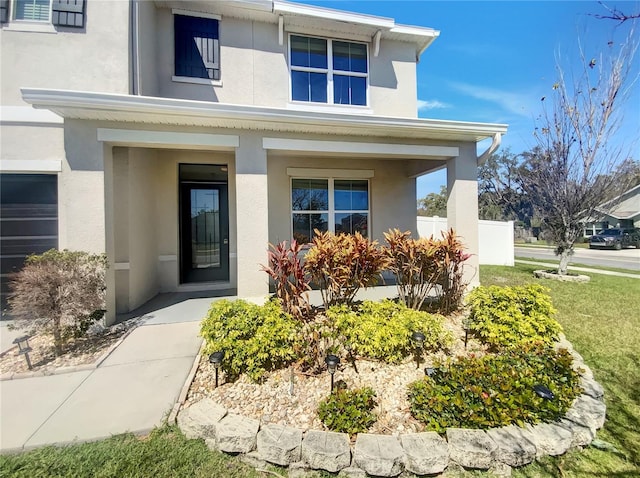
<point>204,232</point>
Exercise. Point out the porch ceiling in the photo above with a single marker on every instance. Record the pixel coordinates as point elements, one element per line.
<point>177,112</point>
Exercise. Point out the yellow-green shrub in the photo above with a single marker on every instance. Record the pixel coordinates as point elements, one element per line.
<point>382,330</point>
<point>512,316</point>
<point>254,339</point>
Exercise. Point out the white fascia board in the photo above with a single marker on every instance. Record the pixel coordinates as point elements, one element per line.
<point>31,165</point>
<point>19,115</point>
<point>107,106</point>
<point>352,147</point>
<point>128,137</point>
<point>415,31</point>
<point>330,14</point>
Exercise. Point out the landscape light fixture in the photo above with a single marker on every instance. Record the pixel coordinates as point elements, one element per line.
<point>23,348</point>
<point>543,392</point>
<point>216,359</point>
<point>418,339</point>
<point>466,323</point>
<point>332,362</point>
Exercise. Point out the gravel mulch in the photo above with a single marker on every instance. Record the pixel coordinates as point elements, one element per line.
<point>291,398</point>
<point>82,351</point>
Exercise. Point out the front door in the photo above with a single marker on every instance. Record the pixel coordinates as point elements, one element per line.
<point>204,232</point>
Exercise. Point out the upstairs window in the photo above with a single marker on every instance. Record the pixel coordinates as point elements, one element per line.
<point>33,10</point>
<point>197,47</point>
<point>60,13</point>
<point>328,71</point>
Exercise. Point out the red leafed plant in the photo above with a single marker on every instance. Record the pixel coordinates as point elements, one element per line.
<point>291,282</point>
<point>451,257</point>
<point>341,264</point>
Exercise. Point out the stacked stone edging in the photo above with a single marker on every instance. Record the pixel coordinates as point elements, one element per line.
<point>386,455</point>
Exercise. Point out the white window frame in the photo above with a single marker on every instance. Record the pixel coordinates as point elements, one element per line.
<point>36,22</point>
<point>331,212</point>
<point>329,72</point>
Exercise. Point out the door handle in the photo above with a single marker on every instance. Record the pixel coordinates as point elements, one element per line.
<point>225,241</point>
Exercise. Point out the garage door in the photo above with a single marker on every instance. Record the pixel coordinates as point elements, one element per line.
<point>28,220</point>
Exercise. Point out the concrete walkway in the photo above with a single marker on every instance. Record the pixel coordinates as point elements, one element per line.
<point>133,390</point>
<point>580,269</point>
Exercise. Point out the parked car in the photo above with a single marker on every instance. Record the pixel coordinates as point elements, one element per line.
<point>615,238</point>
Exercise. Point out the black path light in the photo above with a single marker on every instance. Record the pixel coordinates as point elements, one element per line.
<point>216,359</point>
<point>23,348</point>
<point>543,392</point>
<point>466,323</point>
<point>332,362</point>
<point>418,339</point>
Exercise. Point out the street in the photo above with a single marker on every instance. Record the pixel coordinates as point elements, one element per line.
<point>623,259</point>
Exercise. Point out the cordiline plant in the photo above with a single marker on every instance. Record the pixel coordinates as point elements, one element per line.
<point>289,277</point>
<point>451,258</point>
<point>341,264</point>
<point>416,265</point>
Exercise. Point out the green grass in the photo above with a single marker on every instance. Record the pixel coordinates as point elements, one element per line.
<point>164,453</point>
<point>601,318</point>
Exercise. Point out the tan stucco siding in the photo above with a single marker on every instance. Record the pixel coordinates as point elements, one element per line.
<point>255,71</point>
<point>92,59</point>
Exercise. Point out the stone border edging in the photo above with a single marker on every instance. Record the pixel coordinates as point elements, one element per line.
<point>72,368</point>
<point>425,453</point>
<point>542,274</point>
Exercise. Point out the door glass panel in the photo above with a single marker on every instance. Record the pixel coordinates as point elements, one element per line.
<point>205,228</point>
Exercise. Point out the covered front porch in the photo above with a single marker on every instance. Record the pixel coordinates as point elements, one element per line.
<point>158,155</point>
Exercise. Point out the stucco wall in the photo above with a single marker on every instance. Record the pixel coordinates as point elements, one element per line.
<point>254,69</point>
<point>95,58</point>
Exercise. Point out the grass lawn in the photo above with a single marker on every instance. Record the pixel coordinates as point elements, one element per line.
<point>601,319</point>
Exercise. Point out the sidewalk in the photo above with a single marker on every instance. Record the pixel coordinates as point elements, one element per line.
<point>133,389</point>
<point>580,269</point>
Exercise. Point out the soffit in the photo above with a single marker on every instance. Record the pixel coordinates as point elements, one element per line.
<point>166,111</point>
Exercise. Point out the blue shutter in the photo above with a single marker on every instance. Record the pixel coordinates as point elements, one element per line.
<point>197,50</point>
<point>68,13</point>
<point>4,11</point>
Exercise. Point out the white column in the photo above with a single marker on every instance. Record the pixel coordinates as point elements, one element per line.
<point>462,206</point>
<point>252,216</point>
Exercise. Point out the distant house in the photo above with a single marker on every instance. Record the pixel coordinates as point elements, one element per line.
<point>622,211</point>
<point>181,137</point>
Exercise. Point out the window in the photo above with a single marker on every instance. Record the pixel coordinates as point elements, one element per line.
<point>197,49</point>
<point>337,205</point>
<point>32,10</point>
<point>62,13</point>
<point>328,71</point>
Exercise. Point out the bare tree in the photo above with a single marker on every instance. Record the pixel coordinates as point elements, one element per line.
<point>572,170</point>
<point>615,14</point>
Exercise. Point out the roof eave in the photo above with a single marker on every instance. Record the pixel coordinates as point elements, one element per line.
<point>144,109</point>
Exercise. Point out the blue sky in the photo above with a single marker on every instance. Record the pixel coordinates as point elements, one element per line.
<point>494,61</point>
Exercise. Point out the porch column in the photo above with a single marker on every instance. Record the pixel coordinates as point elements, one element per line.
<point>252,216</point>
<point>462,206</point>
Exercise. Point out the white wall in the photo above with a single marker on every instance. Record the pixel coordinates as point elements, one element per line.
<point>495,238</point>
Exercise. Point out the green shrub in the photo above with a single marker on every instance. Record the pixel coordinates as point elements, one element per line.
<point>254,338</point>
<point>341,264</point>
<point>347,411</point>
<point>496,390</point>
<point>512,316</point>
<point>382,330</point>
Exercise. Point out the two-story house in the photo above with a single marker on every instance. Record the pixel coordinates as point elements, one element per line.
<point>181,137</point>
